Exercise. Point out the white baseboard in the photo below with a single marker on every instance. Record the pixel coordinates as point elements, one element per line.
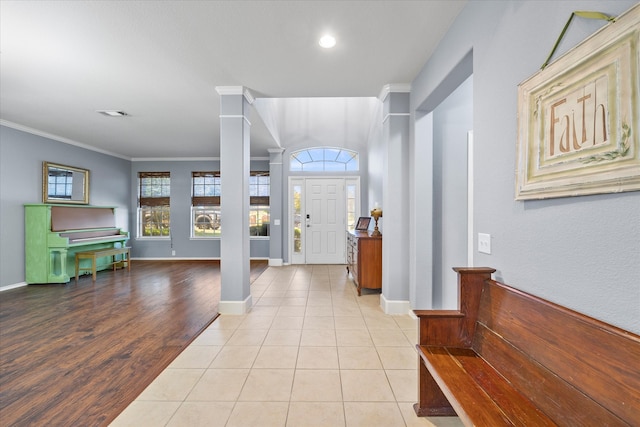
<point>175,258</point>
<point>276,262</point>
<point>193,258</point>
<point>394,307</point>
<point>235,307</point>
<point>15,285</point>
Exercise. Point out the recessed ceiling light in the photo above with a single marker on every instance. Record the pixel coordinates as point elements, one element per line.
<point>113,113</point>
<point>327,41</point>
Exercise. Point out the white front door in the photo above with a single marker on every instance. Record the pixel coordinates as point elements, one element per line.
<point>324,220</point>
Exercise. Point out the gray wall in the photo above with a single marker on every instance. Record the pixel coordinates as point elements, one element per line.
<point>21,157</point>
<point>113,182</point>
<point>181,241</point>
<point>452,119</point>
<point>582,252</point>
<point>377,146</point>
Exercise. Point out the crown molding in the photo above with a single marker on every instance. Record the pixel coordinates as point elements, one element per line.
<point>236,90</point>
<point>187,159</point>
<point>395,88</point>
<point>64,140</point>
<point>175,159</point>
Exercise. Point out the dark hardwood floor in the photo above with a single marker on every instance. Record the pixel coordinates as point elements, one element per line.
<point>78,354</point>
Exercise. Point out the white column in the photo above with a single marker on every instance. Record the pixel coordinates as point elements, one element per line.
<point>235,297</point>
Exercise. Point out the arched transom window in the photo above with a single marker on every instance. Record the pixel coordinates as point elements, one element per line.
<point>324,159</point>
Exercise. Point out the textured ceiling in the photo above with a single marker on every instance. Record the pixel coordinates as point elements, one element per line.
<point>160,61</point>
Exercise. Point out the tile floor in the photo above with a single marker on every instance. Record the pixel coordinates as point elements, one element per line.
<point>310,353</point>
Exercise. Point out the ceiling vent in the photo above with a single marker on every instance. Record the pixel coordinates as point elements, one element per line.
<point>113,113</point>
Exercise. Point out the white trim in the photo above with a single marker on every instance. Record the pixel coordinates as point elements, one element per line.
<point>394,87</point>
<point>14,286</point>
<point>59,138</point>
<point>229,90</point>
<point>235,307</point>
<point>470,233</point>
<point>249,96</point>
<point>153,238</point>
<point>175,258</point>
<point>394,307</point>
<point>236,90</point>
<point>174,159</point>
<point>187,159</point>
<point>395,114</point>
<point>235,116</point>
<point>276,262</point>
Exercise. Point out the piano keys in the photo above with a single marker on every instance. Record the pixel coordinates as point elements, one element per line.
<point>54,233</point>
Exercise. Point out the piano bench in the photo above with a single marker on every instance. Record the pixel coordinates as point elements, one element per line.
<point>99,253</point>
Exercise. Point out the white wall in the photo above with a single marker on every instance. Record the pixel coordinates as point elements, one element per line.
<point>581,252</point>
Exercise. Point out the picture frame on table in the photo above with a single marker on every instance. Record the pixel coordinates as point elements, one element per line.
<point>363,223</point>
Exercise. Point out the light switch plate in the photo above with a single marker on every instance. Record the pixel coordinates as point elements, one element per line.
<point>484,243</point>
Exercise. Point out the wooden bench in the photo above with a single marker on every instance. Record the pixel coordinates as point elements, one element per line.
<point>507,358</point>
<point>99,253</point>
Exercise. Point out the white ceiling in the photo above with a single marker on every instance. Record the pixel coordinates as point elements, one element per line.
<point>160,61</point>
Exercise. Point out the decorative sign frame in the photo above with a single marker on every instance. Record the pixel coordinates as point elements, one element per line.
<point>578,119</point>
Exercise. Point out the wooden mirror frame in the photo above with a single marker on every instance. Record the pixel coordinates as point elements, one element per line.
<point>79,193</point>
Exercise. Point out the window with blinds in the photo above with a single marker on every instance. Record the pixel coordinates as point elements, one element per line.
<point>205,204</point>
<point>259,211</point>
<point>154,204</point>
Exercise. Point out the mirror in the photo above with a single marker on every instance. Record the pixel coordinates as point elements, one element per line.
<point>64,184</point>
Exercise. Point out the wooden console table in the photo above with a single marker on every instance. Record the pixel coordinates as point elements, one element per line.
<point>364,259</point>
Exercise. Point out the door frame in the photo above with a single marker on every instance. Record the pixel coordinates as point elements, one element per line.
<point>301,180</point>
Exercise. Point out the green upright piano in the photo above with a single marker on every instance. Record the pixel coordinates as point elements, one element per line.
<point>54,233</point>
